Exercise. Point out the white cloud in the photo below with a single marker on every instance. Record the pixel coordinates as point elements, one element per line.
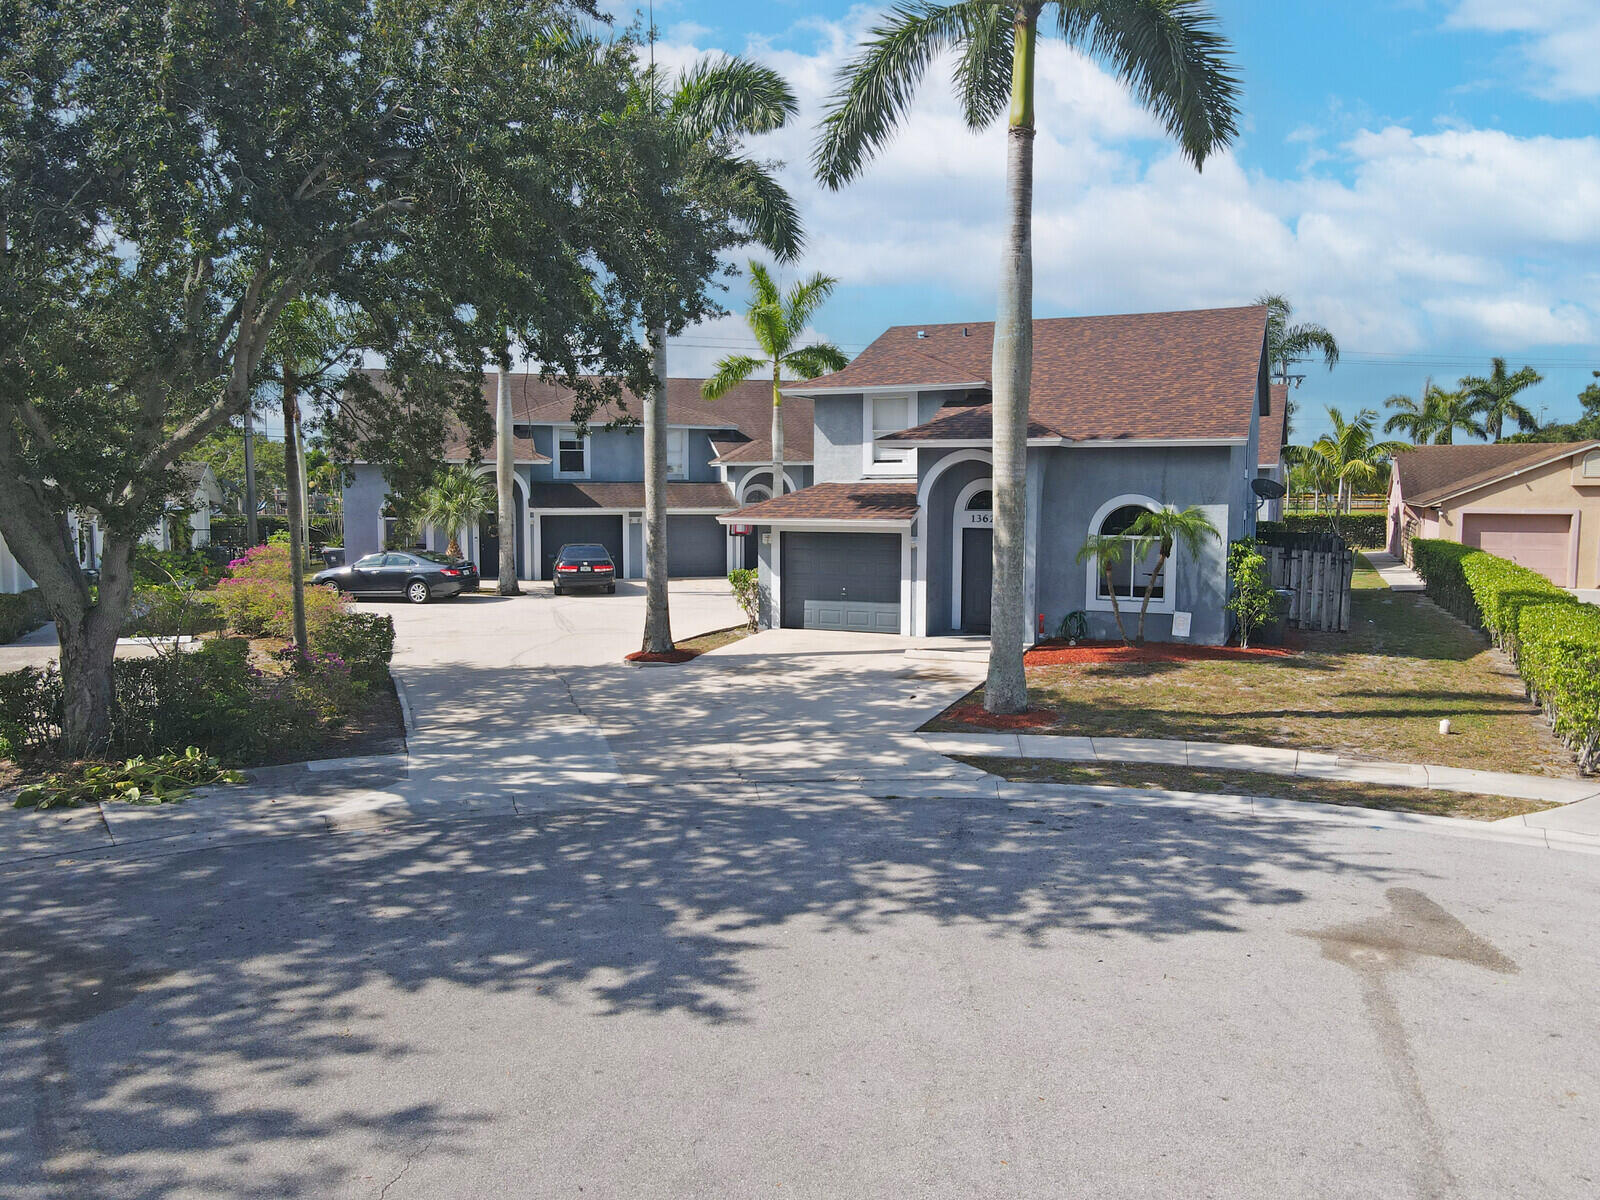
<point>1560,40</point>
<point>1400,240</point>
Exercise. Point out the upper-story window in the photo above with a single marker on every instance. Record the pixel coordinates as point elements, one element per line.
<point>677,454</point>
<point>1591,465</point>
<point>886,415</point>
<point>572,453</point>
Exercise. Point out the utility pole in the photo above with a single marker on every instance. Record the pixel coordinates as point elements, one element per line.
<point>252,532</point>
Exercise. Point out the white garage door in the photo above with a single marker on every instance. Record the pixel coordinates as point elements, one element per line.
<point>1541,542</point>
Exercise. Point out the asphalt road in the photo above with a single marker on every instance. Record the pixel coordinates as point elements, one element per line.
<point>666,988</point>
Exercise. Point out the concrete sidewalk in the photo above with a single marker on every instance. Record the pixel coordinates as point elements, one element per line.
<point>1273,761</point>
<point>1395,573</point>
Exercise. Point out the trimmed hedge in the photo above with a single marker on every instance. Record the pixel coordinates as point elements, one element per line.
<point>20,613</point>
<point>1363,531</point>
<point>1553,638</point>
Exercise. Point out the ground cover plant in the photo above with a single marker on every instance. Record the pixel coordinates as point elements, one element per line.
<point>162,779</point>
<point>1434,802</point>
<point>1378,692</point>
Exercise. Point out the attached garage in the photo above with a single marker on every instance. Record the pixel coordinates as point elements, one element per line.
<point>697,547</point>
<point>1541,542</point>
<point>558,531</point>
<point>847,581</point>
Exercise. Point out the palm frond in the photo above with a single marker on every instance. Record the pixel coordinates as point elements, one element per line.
<point>982,74</point>
<point>729,374</point>
<point>723,97</point>
<point>805,297</point>
<point>763,287</point>
<point>876,87</point>
<point>762,204</point>
<point>1301,341</point>
<point>1172,56</point>
<point>810,361</point>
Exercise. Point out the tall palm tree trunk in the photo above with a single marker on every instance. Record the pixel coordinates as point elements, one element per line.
<point>1149,591</point>
<point>1007,688</point>
<point>1116,611</point>
<point>657,614</point>
<point>297,512</point>
<point>777,430</point>
<point>506,485</point>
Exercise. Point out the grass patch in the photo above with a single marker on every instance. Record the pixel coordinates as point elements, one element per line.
<point>1377,692</point>
<point>1472,805</point>
<point>715,640</point>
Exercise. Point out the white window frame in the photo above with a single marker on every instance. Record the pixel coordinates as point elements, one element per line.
<point>1589,467</point>
<point>878,460</point>
<point>1093,576</point>
<point>569,433</point>
<point>679,437</point>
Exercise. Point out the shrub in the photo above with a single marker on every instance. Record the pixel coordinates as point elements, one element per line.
<point>746,583</point>
<point>1554,639</point>
<point>364,641</point>
<point>196,568</point>
<point>20,613</point>
<point>255,601</point>
<point>1364,531</point>
<point>30,710</point>
<point>1253,600</point>
<point>170,611</point>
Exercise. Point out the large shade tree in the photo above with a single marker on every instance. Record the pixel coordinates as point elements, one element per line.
<point>168,188</point>
<point>1169,54</point>
<point>1494,398</point>
<point>720,197</point>
<point>778,320</point>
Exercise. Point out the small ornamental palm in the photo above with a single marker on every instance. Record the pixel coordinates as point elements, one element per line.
<point>456,499</point>
<point>1348,456</point>
<point>1168,53</point>
<point>1163,528</point>
<point>1108,550</point>
<point>778,320</point>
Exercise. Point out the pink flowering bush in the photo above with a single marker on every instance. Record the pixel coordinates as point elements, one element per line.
<point>256,599</point>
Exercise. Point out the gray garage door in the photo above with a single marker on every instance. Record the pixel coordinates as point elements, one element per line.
<point>841,581</point>
<point>697,547</point>
<point>556,532</point>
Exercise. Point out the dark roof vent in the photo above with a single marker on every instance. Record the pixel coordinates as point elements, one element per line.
<point>963,331</point>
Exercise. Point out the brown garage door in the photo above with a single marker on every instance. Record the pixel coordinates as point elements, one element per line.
<point>1541,542</point>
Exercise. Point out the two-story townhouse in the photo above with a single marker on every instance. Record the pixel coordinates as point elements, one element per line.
<point>1127,413</point>
<point>574,486</point>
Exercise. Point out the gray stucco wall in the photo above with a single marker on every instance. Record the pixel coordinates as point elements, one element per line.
<point>1076,482</point>
<point>839,428</point>
<point>364,498</point>
<point>617,455</point>
<point>737,475</point>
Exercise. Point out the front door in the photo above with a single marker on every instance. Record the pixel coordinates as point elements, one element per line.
<point>489,546</point>
<point>977,570</point>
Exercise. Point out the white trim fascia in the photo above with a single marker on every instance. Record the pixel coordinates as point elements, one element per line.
<point>975,454</point>
<point>870,467</point>
<point>758,474</point>
<point>1478,487</point>
<point>907,585</point>
<point>556,473</point>
<point>880,390</point>
<point>876,524</point>
<point>612,512</point>
<point>1067,443</point>
<point>758,463</point>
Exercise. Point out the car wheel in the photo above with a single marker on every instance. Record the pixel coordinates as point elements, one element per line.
<point>611,589</point>
<point>417,592</point>
<point>557,590</point>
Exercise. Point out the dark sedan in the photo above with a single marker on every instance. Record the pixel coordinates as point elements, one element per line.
<point>418,575</point>
<point>584,565</point>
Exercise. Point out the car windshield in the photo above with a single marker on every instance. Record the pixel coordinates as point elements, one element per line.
<point>569,552</point>
<point>432,556</point>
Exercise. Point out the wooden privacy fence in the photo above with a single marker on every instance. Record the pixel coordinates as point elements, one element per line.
<point>1317,569</point>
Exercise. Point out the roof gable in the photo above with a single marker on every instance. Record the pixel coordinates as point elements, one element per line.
<point>1429,474</point>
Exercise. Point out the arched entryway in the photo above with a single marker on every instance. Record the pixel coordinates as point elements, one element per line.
<point>972,557</point>
<point>488,538</point>
<point>749,551</point>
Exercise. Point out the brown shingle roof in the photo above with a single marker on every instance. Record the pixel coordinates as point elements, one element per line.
<point>1429,474</point>
<point>1272,426</point>
<point>1179,375</point>
<point>522,452</point>
<point>884,501</point>
<point>627,496</point>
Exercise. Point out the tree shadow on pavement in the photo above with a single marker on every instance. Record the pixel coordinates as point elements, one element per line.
<point>193,1020</point>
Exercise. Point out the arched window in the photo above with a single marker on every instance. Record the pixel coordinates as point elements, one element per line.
<point>981,502</point>
<point>1591,465</point>
<point>1132,574</point>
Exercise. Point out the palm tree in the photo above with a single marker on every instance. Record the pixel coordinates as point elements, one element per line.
<point>778,320</point>
<point>1437,418</point>
<point>710,109</point>
<point>1108,550</point>
<point>1494,399</point>
<point>1348,457</point>
<point>454,501</point>
<point>1171,56</point>
<point>1163,527</point>
<point>1289,344</point>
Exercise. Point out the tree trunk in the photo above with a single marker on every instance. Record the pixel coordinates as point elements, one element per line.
<point>1149,590</point>
<point>453,546</point>
<point>1116,612</point>
<point>297,516</point>
<point>88,646</point>
<point>777,431</point>
<point>657,613</point>
<point>1012,373</point>
<point>252,530</point>
<point>506,487</point>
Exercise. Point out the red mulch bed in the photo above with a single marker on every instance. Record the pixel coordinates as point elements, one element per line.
<point>975,714</point>
<point>1057,654</point>
<point>672,656</point>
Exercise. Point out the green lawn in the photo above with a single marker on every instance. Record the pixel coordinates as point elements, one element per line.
<point>1472,805</point>
<point>1377,692</point>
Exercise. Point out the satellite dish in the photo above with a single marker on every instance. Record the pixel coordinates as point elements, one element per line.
<point>1267,489</point>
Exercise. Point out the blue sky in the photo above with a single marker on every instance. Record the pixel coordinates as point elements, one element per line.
<point>1423,176</point>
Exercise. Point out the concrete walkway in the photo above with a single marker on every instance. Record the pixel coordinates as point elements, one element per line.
<point>1269,760</point>
<point>1395,573</point>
